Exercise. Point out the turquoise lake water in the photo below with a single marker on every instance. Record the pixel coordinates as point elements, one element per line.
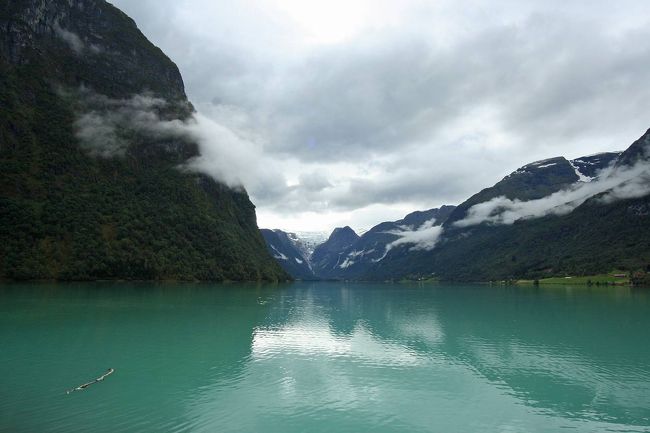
<point>323,357</point>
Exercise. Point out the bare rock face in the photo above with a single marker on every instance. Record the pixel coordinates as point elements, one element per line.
<point>89,43</point>
<point>94,55</point>
<point>638,151</point>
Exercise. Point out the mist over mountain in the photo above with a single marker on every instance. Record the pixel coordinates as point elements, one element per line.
<point>353,257</point>
<point>548,218</point>
<point>538,180</point>
<point>108,171</point>
<point>98,158</point>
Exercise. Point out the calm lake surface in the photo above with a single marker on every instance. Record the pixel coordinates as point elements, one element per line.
<point>323,357</point>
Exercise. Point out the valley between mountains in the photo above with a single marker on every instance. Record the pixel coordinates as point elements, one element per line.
<point>554,217</point>
<point>103,176</point>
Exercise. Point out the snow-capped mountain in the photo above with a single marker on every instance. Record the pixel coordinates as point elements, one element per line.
<point>588,167</point>
<point>307,242</point>
<point>539,179</point>
<point>582,216</point>
<point>548,218</point>
<point>359,253</point>
<point>289,251</point>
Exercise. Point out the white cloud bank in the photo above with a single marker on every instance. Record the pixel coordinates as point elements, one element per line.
<point>107,127</point>
<point>232,159</point>
<point>406,104</point>
<point>424,237</point>
<point>614,183</point>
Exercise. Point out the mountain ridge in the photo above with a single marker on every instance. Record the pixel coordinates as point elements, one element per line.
<point>85,191</point>
<point>588,232</point>
<point>596,236</point>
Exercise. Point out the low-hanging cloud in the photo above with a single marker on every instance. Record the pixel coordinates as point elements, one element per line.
<point>454,91</point>
<point>233,159</point>
<point>107,127</point>
<point>423,238</point>
<point>614,183</point>
<point>73,40</point>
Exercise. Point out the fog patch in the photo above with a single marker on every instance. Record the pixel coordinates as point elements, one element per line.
<point>423,238</point>
<point>73,40</point>
<point>613,184</point>
<point>233,159</point>
<point>635,187</point>
<point>107,127</point>
<point>99,137</point>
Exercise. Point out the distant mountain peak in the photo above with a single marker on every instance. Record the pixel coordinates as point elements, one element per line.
<point>588,167</point>
<point>340,238</point>
<point>346,255</point>
<point>288,251</point>
<point>343,231</point>
<point>638,151</point>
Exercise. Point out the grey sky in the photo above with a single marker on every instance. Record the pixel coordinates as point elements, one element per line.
<point>356,112</point>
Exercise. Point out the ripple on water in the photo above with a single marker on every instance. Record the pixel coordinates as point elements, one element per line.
<point>326,357</point>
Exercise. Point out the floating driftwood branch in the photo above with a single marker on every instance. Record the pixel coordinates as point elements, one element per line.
<point>99,379</point>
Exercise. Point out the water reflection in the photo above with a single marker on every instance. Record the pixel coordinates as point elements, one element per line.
<point>577,354</point>
<point>404,358</point>
<point>310,340</point>
<point>325,357</point>
<point>318,326</point>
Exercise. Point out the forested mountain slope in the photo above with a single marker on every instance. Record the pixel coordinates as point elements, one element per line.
<point>90,188</point>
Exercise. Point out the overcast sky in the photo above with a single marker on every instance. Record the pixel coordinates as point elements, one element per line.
<point>356,112</point>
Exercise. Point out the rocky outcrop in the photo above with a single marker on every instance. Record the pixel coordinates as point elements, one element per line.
<point>96,44</point>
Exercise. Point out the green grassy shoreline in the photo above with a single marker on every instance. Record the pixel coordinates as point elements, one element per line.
<point>615,278</point>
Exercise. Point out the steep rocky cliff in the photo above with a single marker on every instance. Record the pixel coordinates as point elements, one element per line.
<point>89,186</point>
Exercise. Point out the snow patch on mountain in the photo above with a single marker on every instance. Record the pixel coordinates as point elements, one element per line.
<point>306,242</point>
<point>279,256</point>
<point>612,184</point>
<point>581,176</point>
<point>347,263</point>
